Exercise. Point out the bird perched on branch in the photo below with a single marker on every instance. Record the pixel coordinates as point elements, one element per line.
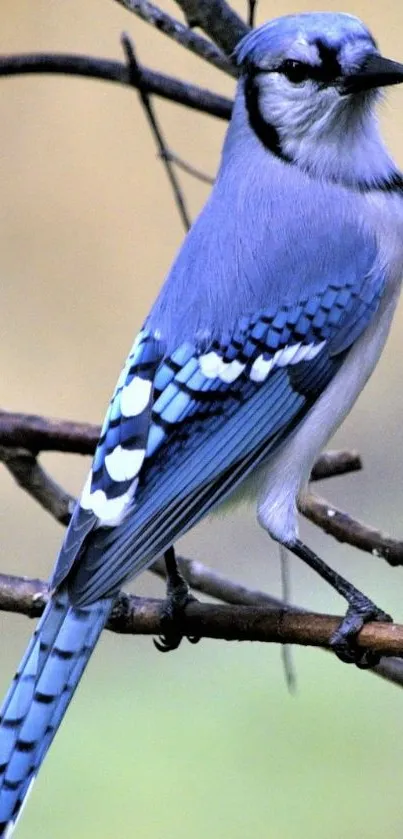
<point>269,324</point>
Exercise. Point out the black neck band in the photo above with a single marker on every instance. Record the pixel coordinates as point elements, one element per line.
<point>270,139</point>
<point>267,133</point>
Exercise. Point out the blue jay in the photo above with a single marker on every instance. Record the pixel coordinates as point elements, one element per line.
<point>267,328</point>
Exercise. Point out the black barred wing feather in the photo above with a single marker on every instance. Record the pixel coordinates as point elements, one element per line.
<point>122,445</point>
<point>119,456</point>
<point>216,412</point>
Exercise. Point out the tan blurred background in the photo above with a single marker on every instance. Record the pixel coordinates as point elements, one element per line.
<point>205,741</point>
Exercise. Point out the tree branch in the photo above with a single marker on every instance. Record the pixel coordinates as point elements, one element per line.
<point>205,580</point>
<point>137,76</point>
<point>143,616</point>
<point>168,87</point>
<point>346,529</point>
<point>180,33</point>
<point>37,433</point>
<point>31,477</point>
<point>218,21</point>
<point>252,12</point>
<point>31,434</point>
<point>188,168</point>
<point>336,462</point>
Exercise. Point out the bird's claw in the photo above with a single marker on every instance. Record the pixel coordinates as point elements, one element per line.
<point>178,597</point>
<point>344,640</point>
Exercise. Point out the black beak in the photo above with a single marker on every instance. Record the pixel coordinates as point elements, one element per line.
<point>375,72</point>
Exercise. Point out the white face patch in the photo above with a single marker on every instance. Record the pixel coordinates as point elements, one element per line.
<point>109,511</point>
<point>261,367</point>
<point>124,464</point>
<point>135,397</point>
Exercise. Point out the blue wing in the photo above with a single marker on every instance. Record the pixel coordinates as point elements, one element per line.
<point>183,431</point>
<point>119,455</point>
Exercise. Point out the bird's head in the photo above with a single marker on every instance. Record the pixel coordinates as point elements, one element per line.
<point>310,82</point>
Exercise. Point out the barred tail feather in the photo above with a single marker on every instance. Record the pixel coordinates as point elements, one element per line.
<point>40,694</point>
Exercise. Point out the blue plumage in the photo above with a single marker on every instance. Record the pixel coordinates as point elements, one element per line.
<point>32,713</point>
<point>196,416</point>
<point>271,320</point>
<point>271,40</point>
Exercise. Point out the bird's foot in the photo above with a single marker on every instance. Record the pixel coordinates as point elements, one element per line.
<point>361,610</point>
<point>178,597</point>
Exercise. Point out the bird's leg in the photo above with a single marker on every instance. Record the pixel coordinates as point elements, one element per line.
<point>178,596</point>
<point>360,610</point>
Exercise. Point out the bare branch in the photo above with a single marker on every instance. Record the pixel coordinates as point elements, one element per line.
<point>28,597</point>
<point>252,4</point>
<point>390,669</point>
<point>180,33</point>
<point>29,475</point>
<point>168,87</point>
<point>186,167</point>
<point>346,529</point>
<point>34,433</point>
<point>22,595</point>
<point>137,74</point>
<point>206,580</point>
<point>37,433</point>
<point>135,616</point>
<point>218,21</point>
<point>336,462</point>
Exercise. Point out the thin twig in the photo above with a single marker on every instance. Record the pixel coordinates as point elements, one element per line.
<point>252,4</point>
<point>136,73</point>
<point>168,87</point>
<point>346,529</point>
<point>180,33</point>
<point>186,167</point>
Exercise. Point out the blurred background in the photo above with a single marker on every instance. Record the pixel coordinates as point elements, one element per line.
<point>205,741</point>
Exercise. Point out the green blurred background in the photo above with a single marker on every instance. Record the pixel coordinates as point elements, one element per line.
<point>206,741</point>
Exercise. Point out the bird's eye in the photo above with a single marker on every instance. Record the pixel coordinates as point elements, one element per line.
<point>295,71</point>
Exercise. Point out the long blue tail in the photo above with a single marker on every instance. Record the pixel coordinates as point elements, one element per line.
<point>40,694</point>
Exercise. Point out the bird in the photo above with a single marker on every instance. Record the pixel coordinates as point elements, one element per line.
<point>268,326</point>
